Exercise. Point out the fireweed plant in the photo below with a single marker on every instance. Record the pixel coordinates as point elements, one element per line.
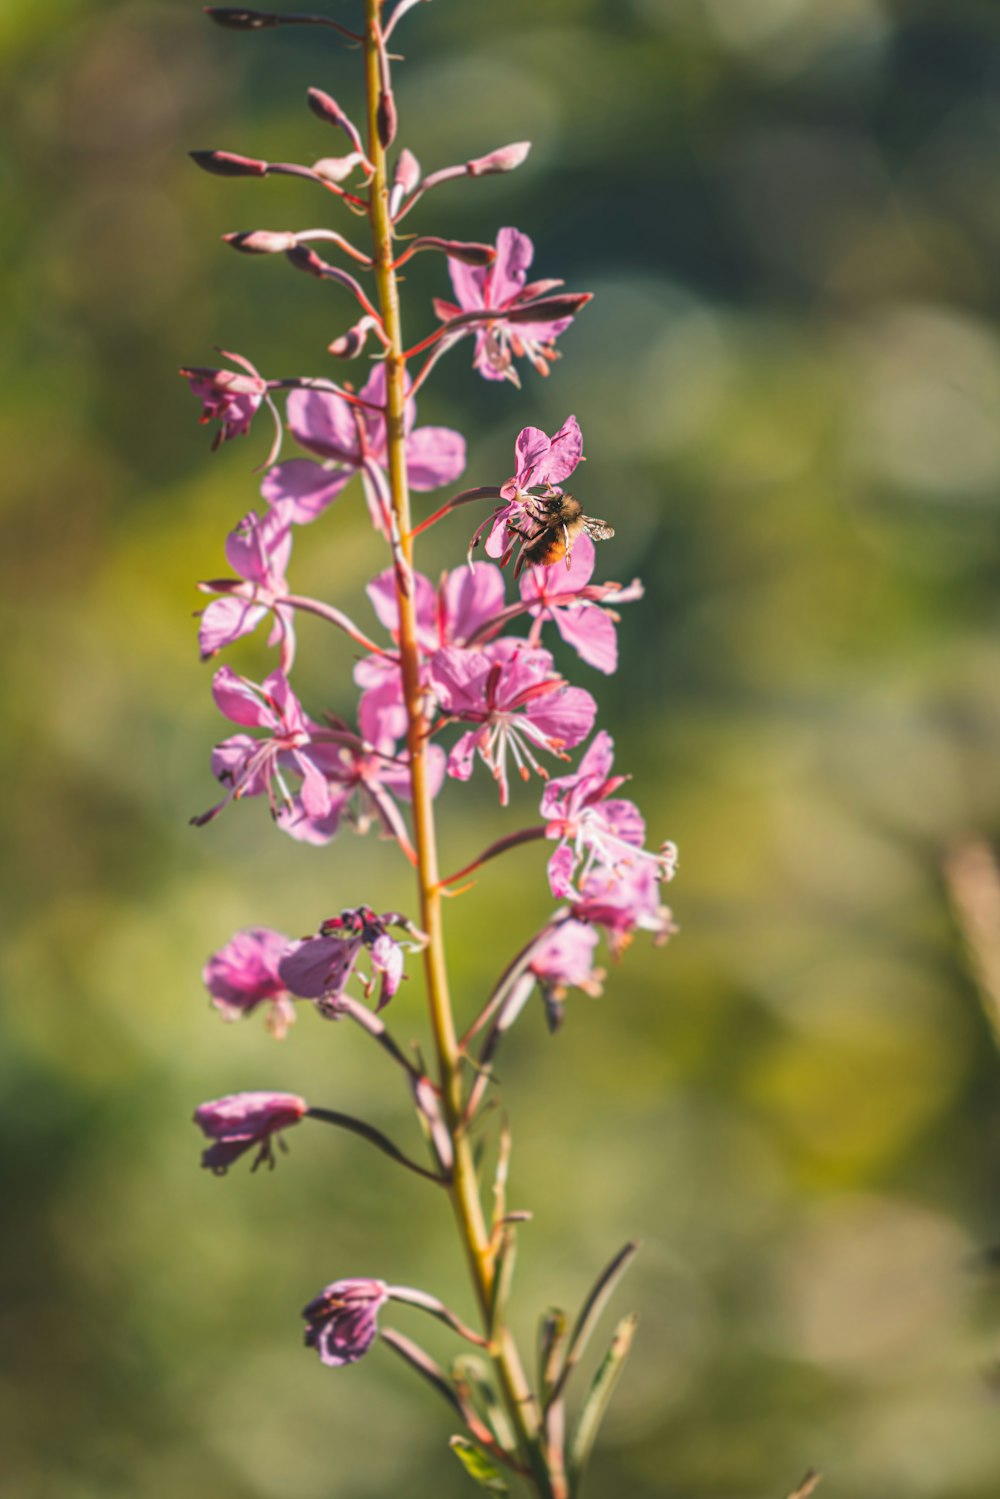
<point>456,672</point>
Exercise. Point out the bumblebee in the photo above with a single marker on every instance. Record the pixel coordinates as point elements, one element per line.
<point>560,521</point>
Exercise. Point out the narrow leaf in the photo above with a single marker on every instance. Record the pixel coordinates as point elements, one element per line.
<point>591,1311</point>
<point>480,1468</point>
<point>551,1342</point>
<point>599,1395</point>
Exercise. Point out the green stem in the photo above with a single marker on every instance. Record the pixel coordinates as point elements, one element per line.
<point>519,1398</point>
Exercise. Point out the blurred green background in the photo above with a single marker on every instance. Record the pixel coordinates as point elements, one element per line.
<point>789,385</point>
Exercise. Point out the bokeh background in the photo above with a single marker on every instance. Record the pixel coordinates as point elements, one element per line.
<point>789,384</point>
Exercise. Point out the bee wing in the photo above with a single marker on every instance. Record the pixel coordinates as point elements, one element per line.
<point>598,529</point>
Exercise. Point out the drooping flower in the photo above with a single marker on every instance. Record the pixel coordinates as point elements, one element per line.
<point>542,464</point>
<point>564,960</point>
<point>518,704</point>
<point>342,1320</point>
<point>595,827</point>
<point>319,968</point>
<point>258,551</point>
<point>230,397</point>
<point>624,902</point>
<point>503,288</point>
<point>352,439</point>
<point>239,1122</point>
<point>256,767</point>
<point>243,975</point>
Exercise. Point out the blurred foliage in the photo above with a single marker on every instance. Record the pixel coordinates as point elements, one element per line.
<point>789,383</point>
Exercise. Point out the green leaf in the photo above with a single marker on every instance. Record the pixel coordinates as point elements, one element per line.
<point>599,1395</point>
<point>480,1468</point>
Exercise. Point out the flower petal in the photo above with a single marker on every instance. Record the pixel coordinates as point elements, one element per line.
<point>434,456</point>
<point>303,489</point>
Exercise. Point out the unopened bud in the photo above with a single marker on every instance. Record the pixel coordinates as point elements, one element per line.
<point>325,107</point>
<point>407,172</point>
<point>386,119</point>
<point>350,344</point>
<point>233,18</point>
<point>504,159</point>
<point>469,252</point>
<point>336,168</point>
<point>549,308</point>
<point>261,241</point>
<point>307,260</point>
<point>227,164</point>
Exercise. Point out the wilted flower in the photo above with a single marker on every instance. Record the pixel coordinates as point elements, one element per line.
<point>243,1120</point>
<point>243,975</point>
<point>342,1320</point>
<point>319,967</point>
<point>228,397</point>
<point>624,902</point>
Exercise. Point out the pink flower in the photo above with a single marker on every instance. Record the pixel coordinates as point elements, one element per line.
<point>342,1320</point>
<point>466,601</point>
<point>542,465</point>
<point>352,439</point>
<point>624,902</point>
<point>244,975</point>
<point>518,704</point>
<point>228,397</point>
<point>256,767</point>
<point>319,968</point>
<point>502,288</point>
<point>595,827</point>
<point>566,596</point>
<point>243,1120</point>
<point>258,552</point>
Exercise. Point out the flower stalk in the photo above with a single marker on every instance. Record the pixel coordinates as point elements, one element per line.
<point>520,1401</point>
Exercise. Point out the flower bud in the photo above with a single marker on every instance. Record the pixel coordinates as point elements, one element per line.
<point>407,172</point>
<point>336,168</point>
<point>325,107</point>
<point>261,241</point>
<point>342,1320</point>
<point>350,344</point>
<point>504,159</point>
<point>227,164</point>
<point>469,252</point>
<point>386,118</point>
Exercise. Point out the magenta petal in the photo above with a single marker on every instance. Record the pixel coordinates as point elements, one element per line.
<point>468,282</point>
<point>225,620</point>
<point>462,756</point>
<point>626,821</point>
<point>566,716</point>
<point>507,276</point>
<point>591,633</point>
<point>560,871</point>
<point>303,489</point>
<point>473,596</point>
<point>317,966</point>
<point>599,759</point>
<point>434,456</point>
<point>325,424</point>
<point>295,821</point>
<point>530,448</point>
<point>239,700</point>
<point>564,453</point>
